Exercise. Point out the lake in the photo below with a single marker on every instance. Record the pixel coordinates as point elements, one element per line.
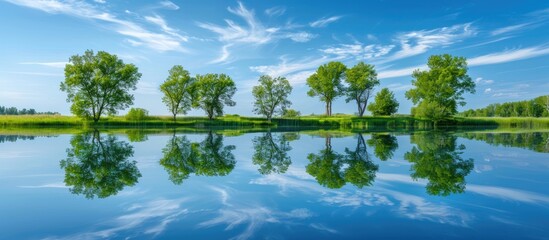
<point>275,185</point>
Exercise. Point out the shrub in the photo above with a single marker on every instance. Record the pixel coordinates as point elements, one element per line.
<point>137,114</point>
<point>291,113</point>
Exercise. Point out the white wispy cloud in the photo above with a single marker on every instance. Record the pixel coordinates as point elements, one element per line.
<point>288,67</point>
<point>418,42</point>
<point>81,9</point>
<point>169,5</point>
<point>509,56</point>
<point>359,51</point>
<point>509,29</point>
<point>391,73</point>
<point>482,81</point>
<point>254,32</point>
<point>47,64</point>
<point>100,1</point>
<point>322,227</point>
<point>275,11</point>
<point>323,22</point>
<point>48,185</point>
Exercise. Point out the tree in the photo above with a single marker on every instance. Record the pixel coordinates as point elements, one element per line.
<point>137,114</point>
<point>98,83</point>
<point>437,157</point>
<point>362,78</point>
<point>291,113</point>
<point>326,83</point>
<point>214,91</point>
<point>440,89</point>
<point>179,91</point>
<point>271,154</point>
<point>385,103</point>
<point>271,96</point>
<point>384,145</point>
<point>99,166</point>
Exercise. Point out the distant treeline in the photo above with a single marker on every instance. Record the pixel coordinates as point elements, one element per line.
<point>24,111</point>
<point>537,107</point>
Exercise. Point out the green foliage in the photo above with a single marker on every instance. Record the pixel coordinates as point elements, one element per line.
<point>137,114</point>
<point>385,103</point>
<point>535,141</point>
<point>326,83</point>
<point>384,145</point>
<point>291,113</point>
<point>327,166</point>
<point>271,153</point>
<point>537,107</point>
<point>271,96</point>
<point>214,91</point>
<point>99,166</point>
<point>179,91</point>
<point>437,157</point>
<point>440,89</point>
<point>208,158</point>
<point>362,78</point>
<point>99,83</point>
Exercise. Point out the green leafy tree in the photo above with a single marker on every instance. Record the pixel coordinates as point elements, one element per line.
<point>440,89</point>
<point>207,158</point>
<point>137,114</point>
<point>325,167</point>
<point>271,153</point>
<point>385,103</point>
<point>99,83</point>
<point>384,145</point>
<point>291,113</point>
<point>214,92</point>
<point>99,166</point>
<point>271,96</point>
<point>362,78</point>
<point>360,171</point>
<point>326,83</point>
<point>437,158</point>
<point>179,91</point>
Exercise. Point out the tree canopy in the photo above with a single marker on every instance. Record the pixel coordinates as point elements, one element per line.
<point>438,91</point>
<point>271,153</point>
<point>271,96</point>
<point>179,91</point>
<point>214,91</point>
<point>98,166</point>
<point>384,104</point>
<point>362,78</point>
<point>99,83</point>
<point>326,83</point>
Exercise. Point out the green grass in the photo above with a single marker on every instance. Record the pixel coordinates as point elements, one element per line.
<point>340,121</point>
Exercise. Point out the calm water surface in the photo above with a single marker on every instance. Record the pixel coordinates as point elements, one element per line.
<point>275,185</point>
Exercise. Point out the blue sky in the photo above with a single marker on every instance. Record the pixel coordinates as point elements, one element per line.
<point>506,44</point>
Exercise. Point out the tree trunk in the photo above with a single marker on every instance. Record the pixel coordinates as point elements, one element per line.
<point>174,118</point>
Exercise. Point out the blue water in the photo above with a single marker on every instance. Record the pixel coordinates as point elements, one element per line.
<point>312,185</point>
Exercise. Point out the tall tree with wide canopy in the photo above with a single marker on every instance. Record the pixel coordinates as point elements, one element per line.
<point>214,91</point>
<point>99,83</point>
<point>179,91</point>
<point>361,78</point>
<point>440,89</point>
<point>271,96</point>
<point>326,83</point>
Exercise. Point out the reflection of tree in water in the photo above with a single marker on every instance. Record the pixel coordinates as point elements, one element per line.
<point>98,165</point>
<point>384,145</point>
<point>208,158</point>
<point>136,135</point>
<point>271,153</point>
<point>437,159</point>
<point>327,166</point>
<point>13,138</point>
<point>535,141</point>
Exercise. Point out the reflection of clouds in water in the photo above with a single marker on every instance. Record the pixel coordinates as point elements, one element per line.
<point>356,199</point>
<point>286,183</point>
<point>418,208</point>
<point>47,185</point>
<point>161,211</point>
<point>321,227</point>
<point>508,194</point>
<point>483,168</point>
<point>254,216</point>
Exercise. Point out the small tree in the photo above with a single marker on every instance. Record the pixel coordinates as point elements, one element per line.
<point>98,83</point>
<point>326,83</point>
<point>291,113</point>
<point>384,104</point>
<point>179,91</point>
<point>271,96</point>
<point>214,91</point>
<point>362,78</point>
<point>440,89</point>
<point>137,114</point>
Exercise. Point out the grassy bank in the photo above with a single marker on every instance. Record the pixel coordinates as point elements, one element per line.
<point>234,121</point>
